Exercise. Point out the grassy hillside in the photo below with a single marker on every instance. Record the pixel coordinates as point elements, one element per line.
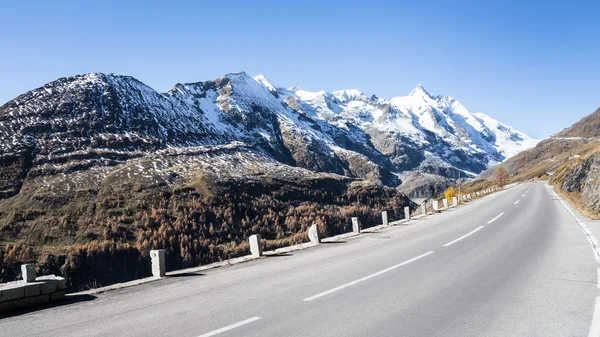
<point>567,160</point>
<point>101,230</point>
<point>588,126</point>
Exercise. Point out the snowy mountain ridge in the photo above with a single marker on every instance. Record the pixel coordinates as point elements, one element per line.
<point>92,120</point>
<point>417,113</point>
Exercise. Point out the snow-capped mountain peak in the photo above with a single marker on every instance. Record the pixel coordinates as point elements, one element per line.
<point>420,91</point>
<point>344,132</point>
<point>348,95</point>
<point>264,81</point>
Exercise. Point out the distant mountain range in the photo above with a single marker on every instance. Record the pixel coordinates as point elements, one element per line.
<point>97,169</point>
<point>97,120</point>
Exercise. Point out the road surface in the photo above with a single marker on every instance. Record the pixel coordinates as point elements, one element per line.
<point>515,263</point>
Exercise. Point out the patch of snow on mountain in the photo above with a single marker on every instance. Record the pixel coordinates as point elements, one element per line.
<point>508,140</point>
<point>264,81</point>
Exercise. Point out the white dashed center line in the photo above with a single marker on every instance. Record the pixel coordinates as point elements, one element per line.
<point>230,327</point>
<point>464,236</point>
<point>365,278</point>
<point>496,218</point>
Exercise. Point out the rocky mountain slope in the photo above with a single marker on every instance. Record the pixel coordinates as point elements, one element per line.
<point>587,127</point>
<point>570,160</point>
<point>95,120</point>
<point>97,169</point>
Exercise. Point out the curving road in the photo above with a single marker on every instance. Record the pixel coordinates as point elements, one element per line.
<point>515,263</point>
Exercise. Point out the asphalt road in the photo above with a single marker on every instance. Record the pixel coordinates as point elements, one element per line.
<point>468,271</point>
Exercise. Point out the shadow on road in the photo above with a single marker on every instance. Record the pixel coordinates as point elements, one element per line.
<point>279,255</point>
<point>185,275</point>
<point>330,242</point>
<point>69,300</point>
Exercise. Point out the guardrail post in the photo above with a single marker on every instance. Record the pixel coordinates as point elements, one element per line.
<point>28,272</point>
<point>384,218</point>
<point>445,201</point>
<point>158,263</point>
<point>454,201</point>
<point>423,209</point>
<point>407,213</point>
<point>355,225</point>
<point>255,247</point>
<point>436,206</point>
<point>313,234</point>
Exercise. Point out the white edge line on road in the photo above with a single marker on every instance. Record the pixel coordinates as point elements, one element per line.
<point>308,299</point>
<point>516,202</point>
<point>522,195</point>
<point>595,328</point>
<point>464,236</point>
<point>230,327</point>
<point>582,225</point>
<point>496,218</point>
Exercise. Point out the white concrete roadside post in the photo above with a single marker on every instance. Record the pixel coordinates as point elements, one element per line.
<point>158,263</point>
<point>355,225</point>
<point>436,206</point>
<point>384,218</point>
<point>313,234</point>
<point>445,201</point>
<point>28,272</point>
<point>255,248</point>
<point>407,213</point>
<point>423,209</point>
<point>454,201</point>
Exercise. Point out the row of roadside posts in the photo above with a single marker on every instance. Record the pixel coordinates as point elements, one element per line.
<point>158,256</point>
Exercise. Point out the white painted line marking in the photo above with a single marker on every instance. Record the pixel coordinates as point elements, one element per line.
<point>516,202</point>
<point>583,227</point>
<point>595,328</point>
<point>349,284</point>
<point>496,218</point>
<point>230,327</point>
<point>522,195</point>
<point>464,236</point>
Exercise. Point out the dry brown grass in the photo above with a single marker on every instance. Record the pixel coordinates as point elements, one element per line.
<point>554,161</point>
<point>476,185</point>
<point>574,199</point>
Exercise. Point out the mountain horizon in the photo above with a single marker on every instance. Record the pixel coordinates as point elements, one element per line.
<point>419,132</point>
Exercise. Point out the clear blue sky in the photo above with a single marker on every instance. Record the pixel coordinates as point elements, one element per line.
<point>532,64</point>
